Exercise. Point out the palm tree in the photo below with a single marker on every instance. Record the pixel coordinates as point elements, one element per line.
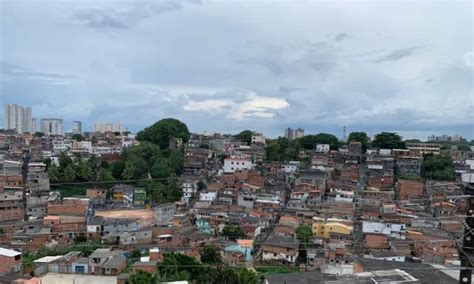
<point>69,174</point>
<point>53,173</point>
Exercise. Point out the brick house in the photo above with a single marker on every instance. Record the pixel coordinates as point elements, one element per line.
<point>10,260</point>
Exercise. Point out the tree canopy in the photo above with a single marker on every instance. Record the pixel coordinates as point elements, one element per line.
<point>210,255</point>
<point>162,131</point>
<point>388,140</point>
<point>282,149</point>
<point>245,136</point>
<point>308,141</point>
<point>233,232</point>
<point>359,137</point>
<point>438,167</point>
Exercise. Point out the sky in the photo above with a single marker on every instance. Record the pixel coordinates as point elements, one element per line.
<point>225,66</point>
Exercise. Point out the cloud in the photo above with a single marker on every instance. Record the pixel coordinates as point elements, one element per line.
<point>341,37</point>
<point>102,18</point>
<point>251,107</point>
<point>398,54</point>
<point>111,18</point>
<point>10,69</point>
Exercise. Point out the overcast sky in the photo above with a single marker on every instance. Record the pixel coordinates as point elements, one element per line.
<point>230,65</point>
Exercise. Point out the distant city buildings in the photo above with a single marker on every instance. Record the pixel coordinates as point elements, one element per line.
<point>18,118</point>
<point>52,126</point>
<point>445,138</point>
<point>292,134</point>
<point>109,127</point>
<point>77,127</point>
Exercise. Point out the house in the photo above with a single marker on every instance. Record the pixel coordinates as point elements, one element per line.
<point>408,189</point>
<point>164,213</point>
<point>10,261</point>
<point>280,248</point>
<point>324,228</point>
<point>234,164</point>
<point>243,247</point>
<point>208,195</point>
<point>106,262</point>
<point>393,230</point>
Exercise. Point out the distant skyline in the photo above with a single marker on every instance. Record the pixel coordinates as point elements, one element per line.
<point>405,67</point>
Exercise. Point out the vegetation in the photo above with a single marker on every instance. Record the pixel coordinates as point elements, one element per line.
<point>233,232</point>
<point>93,169</point>
<point>39,134</point>
<point>360,137</point>
<point>210,255</point>
<point>244,136</point>
<point>78,137</point>
<point>85,248</point>
<point>304,234</point>
<point>388,140</point>
<point>438,167</point>
<point>179,267</point>
<point>309,141</point>
<point>141,277</point>
<point>162,131</point>
<point>282,149</point>
<point>267,270</point>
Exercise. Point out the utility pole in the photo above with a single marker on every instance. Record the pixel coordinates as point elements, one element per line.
<point>466,253</point>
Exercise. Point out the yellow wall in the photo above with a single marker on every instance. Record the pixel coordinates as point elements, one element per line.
<point>322,229</point>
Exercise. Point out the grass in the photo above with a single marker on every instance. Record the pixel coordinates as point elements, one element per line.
<point>276,270</point>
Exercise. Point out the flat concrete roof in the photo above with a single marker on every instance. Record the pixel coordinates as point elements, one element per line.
<point>57,278</point>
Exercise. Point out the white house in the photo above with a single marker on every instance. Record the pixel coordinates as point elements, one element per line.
<point>189,189</point>
<point>390,229</point>
<point>258,138</point>
<point>322,148</point>
<point>208,196</point>
<point>290,167</point>
<point>232,165</point>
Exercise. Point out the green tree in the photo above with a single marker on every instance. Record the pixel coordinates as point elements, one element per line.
<point>161,132</point>
<point>210,255</point>
<point>309,141</point>
<point>64,160</point>
<point>463,147</point>
<point>273,151</point>
<point>53,173</point>
<point>388,140</point>
<point>118,169</point>
<point>39,134</point>
<point>104,175</point>
<point>141,277</point>
<point>360,137</point>
<point>69,174</point>
<point>233,232</point>
<point>304,234</point>
<point>438,167</point>
<point>129,171</point>
<point>78,137</point>
<point>244,136</point>
<point>248,277</point>
<point>83,170</point>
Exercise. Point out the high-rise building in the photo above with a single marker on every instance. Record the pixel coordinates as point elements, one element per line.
<point>34,121</point>
<point>298,133</point>
<point>292,134</point>
<point>18,118</point>
<point>77,127</point>
<point>289,133</point>
<point>52,126</point>
<point>109,127</point>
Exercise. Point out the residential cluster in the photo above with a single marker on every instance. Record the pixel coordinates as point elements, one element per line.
<point>369,214</point>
